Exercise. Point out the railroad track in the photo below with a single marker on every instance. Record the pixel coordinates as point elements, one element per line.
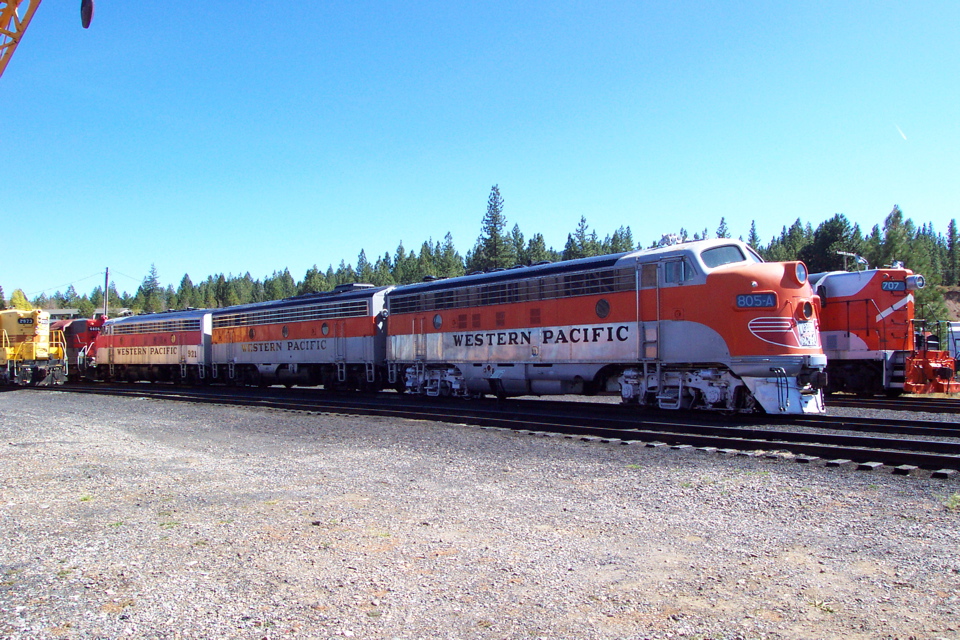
<point>904,445</point>
<point>903,403</point>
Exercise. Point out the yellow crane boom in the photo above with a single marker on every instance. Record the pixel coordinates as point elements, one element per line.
<point>15,17</point>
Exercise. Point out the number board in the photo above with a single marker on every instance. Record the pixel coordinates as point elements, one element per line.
<point>894,285</point>
<point>757,301</point>
<point>24,320</point>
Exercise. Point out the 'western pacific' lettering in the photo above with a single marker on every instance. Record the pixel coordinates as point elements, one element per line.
<point>492,338</point>
<point>289,345</point>
<point>574,335</point>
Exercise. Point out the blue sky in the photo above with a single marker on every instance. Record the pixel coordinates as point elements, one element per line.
<point>225,137</point>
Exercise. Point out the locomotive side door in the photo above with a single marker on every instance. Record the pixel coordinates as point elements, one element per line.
<point>648,311</point>
<point>340,340</point>
<point>671,304</point>
<point>420,338</point>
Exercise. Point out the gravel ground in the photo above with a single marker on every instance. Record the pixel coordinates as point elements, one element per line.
<point>126,518</point>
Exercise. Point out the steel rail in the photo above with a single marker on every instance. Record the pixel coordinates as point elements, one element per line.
<point>570,419</point>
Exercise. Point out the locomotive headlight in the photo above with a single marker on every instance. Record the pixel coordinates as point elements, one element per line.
<point>916,282</point>
<point>801,272</point>
<point>805,310</point>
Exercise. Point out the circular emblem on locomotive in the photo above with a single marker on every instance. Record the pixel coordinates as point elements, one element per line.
<point>252,333</point>
<point>603,308</point>
<point>437,321</point>
<point>285,331</point>
<point>325,329</point>
<point>173,338</point>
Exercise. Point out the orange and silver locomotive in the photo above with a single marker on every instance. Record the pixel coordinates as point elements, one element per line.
<point>698,325</point>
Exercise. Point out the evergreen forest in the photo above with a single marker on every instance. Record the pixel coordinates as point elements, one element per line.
<point>897,239</point>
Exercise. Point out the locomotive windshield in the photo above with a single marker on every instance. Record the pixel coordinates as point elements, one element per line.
<point>729,254</point>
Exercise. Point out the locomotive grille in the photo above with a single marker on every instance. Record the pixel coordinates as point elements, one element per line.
<point>549,287</point>
<point>156,326</point>
<point>352,309</point>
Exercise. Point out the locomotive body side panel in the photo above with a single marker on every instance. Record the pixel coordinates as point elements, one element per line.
<point>875,308</point>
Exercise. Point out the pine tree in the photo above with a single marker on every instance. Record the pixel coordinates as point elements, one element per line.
<point>383,272</point>
<point>952,270</point>
<point>185,293</point>
<point>620,242</point>
<point>836,234</point>
<point>3,302</point>
<point>582,243</point>
<point>519,248</point>
<point>257,293</point>
<point>18,300</point>
<point>279,286</point>
<point>754,238</point>
<point>493,249</point>
<point>150,296</point>
<point>537,249</point>
<point>450,264</point>
<point>426,264</point>
<point>892,245</point>
<point>344,274</point>
<point>723,231</point>
<point>572,250</point>
<point>364,268</point>
<point>243,287</point>
<point>170,295</point>
<point>85,308</point>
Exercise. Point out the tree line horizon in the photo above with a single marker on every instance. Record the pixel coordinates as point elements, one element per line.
<point>898,239</point>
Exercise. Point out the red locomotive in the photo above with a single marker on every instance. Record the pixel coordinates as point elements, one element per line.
<point>79,336</point>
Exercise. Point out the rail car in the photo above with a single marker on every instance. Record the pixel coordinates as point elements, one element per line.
<point>79,335</point>
<point>161,347</point>
<point>335,339</point>
<point>698,325</point>
<point>870,335</point>
<point>30,352</point>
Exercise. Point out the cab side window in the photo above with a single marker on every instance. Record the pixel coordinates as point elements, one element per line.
<point>648,276</point>
<point>677,271</point>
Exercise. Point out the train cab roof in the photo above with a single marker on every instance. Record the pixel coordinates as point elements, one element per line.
<point>344,293</point>
<point>162,317</point>
<point>706,254</point>
<point>852,283</point>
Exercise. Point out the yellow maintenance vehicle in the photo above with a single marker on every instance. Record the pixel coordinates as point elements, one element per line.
<point>31,354</point>
<point>15,17</point>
